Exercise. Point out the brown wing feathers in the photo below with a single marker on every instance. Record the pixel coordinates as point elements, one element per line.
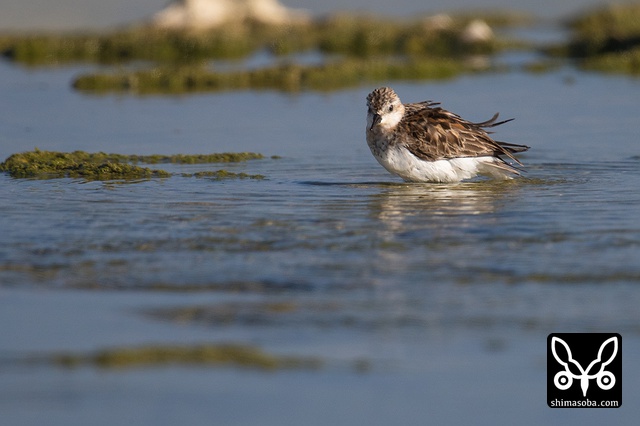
<point>439,134</point>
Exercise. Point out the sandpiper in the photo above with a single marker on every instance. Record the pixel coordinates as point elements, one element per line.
<point>421,142</point>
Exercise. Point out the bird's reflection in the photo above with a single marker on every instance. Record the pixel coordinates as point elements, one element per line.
<point>408,207</point>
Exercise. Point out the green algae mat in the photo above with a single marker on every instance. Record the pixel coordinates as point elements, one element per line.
<point>211,355</point>
<point>39,164</point>
<point>354,49</point>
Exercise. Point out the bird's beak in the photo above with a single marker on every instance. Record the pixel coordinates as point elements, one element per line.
<point>376,120</point>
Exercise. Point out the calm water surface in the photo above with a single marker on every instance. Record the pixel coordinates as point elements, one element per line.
<point>445,292</point>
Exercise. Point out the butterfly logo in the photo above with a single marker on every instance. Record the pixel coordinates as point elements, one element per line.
<point>573,370</point>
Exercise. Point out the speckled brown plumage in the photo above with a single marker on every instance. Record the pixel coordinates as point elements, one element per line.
<point>431,133</point>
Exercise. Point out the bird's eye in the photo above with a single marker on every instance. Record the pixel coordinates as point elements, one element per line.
<point>390,108</point>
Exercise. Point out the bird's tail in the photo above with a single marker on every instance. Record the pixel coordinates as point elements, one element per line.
<point>504,148</point>
<point>512,147</point>
<point>492,121</point>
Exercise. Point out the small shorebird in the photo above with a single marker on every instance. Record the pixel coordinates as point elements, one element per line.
<point>423,143</point>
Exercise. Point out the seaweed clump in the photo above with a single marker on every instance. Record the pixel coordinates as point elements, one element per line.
<point>606,39</point>
<point>240,356</point>
<point>344,34</point>
<point>286,77</point>
<point>138,43</point>
<point>102,166</point>
<point>224,174</point>
<point>353,48</point>
<point>224,157</point>
<point>77,164</point>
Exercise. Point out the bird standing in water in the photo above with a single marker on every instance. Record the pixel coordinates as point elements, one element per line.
<point>421,142</point>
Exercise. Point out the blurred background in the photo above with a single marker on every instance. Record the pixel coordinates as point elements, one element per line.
<point>75,14</point>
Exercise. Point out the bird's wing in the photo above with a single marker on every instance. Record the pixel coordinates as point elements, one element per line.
<point>436,134</point>
<point>418,106</point>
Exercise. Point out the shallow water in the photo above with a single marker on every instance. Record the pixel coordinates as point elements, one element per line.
<point>425,302</point>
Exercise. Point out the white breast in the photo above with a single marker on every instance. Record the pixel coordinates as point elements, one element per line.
<point>399,161</point>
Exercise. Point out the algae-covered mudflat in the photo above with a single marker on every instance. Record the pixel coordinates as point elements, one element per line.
<point>240,356</point>
<point>348,34</point>
<point>356,49</point>
<point>101,166</point>
<point>287,77</point>
<point>605,39</point>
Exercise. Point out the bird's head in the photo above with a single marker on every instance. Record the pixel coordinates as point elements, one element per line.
<point>385,110</point>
